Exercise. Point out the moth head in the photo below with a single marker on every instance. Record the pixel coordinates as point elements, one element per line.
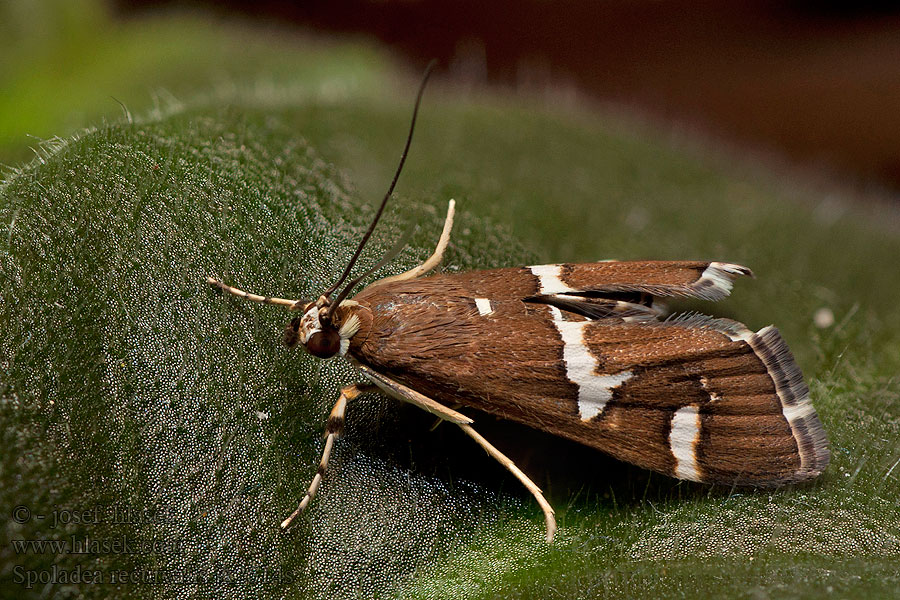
<point>327,324</point>
<point>324,334</point>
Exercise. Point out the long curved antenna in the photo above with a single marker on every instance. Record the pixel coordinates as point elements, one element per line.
<point>390,191</point>
<point>388,257</point>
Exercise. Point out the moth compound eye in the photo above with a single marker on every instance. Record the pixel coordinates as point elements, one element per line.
<point>291,332</point>
<point>324,344</point>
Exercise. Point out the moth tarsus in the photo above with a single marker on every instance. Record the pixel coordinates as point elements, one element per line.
<point>576,350</point>
<point>333,429</point>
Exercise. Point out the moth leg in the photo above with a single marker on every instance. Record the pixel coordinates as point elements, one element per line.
<point>440,420</point>
<point>401,392</point>
<point>333,429</point>
<point>397,390</point>
<point>435,258</point>
<point>291,304</point>
<point>549,519</point>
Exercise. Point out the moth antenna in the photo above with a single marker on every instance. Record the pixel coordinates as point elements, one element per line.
<point>388,257</point>
<point>428,70</point>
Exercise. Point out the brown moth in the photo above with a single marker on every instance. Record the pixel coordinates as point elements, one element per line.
<point>577,350</point>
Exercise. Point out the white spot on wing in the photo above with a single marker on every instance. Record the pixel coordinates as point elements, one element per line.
<point>716,280</point>
<point>594,390</point>
<point>683,439</point>
<point>550,280</point>
<point>741,334</point>
<point>484,306</point>
<point>797,411</point>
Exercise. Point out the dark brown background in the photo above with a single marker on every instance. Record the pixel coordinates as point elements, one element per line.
<point>816,82</point>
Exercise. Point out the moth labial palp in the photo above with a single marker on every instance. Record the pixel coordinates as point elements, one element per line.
<point>576,350</point>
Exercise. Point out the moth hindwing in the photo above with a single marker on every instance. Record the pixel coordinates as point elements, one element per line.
<point>577,350</point>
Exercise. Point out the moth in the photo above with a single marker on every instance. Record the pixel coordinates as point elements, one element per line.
<point>581,351</point>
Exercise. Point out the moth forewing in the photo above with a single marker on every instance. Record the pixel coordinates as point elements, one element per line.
<point>692,397</point>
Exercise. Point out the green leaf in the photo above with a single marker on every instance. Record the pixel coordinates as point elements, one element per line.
<point>129,385</point>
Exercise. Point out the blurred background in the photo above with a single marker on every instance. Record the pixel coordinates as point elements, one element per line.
<point>816,84</point>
